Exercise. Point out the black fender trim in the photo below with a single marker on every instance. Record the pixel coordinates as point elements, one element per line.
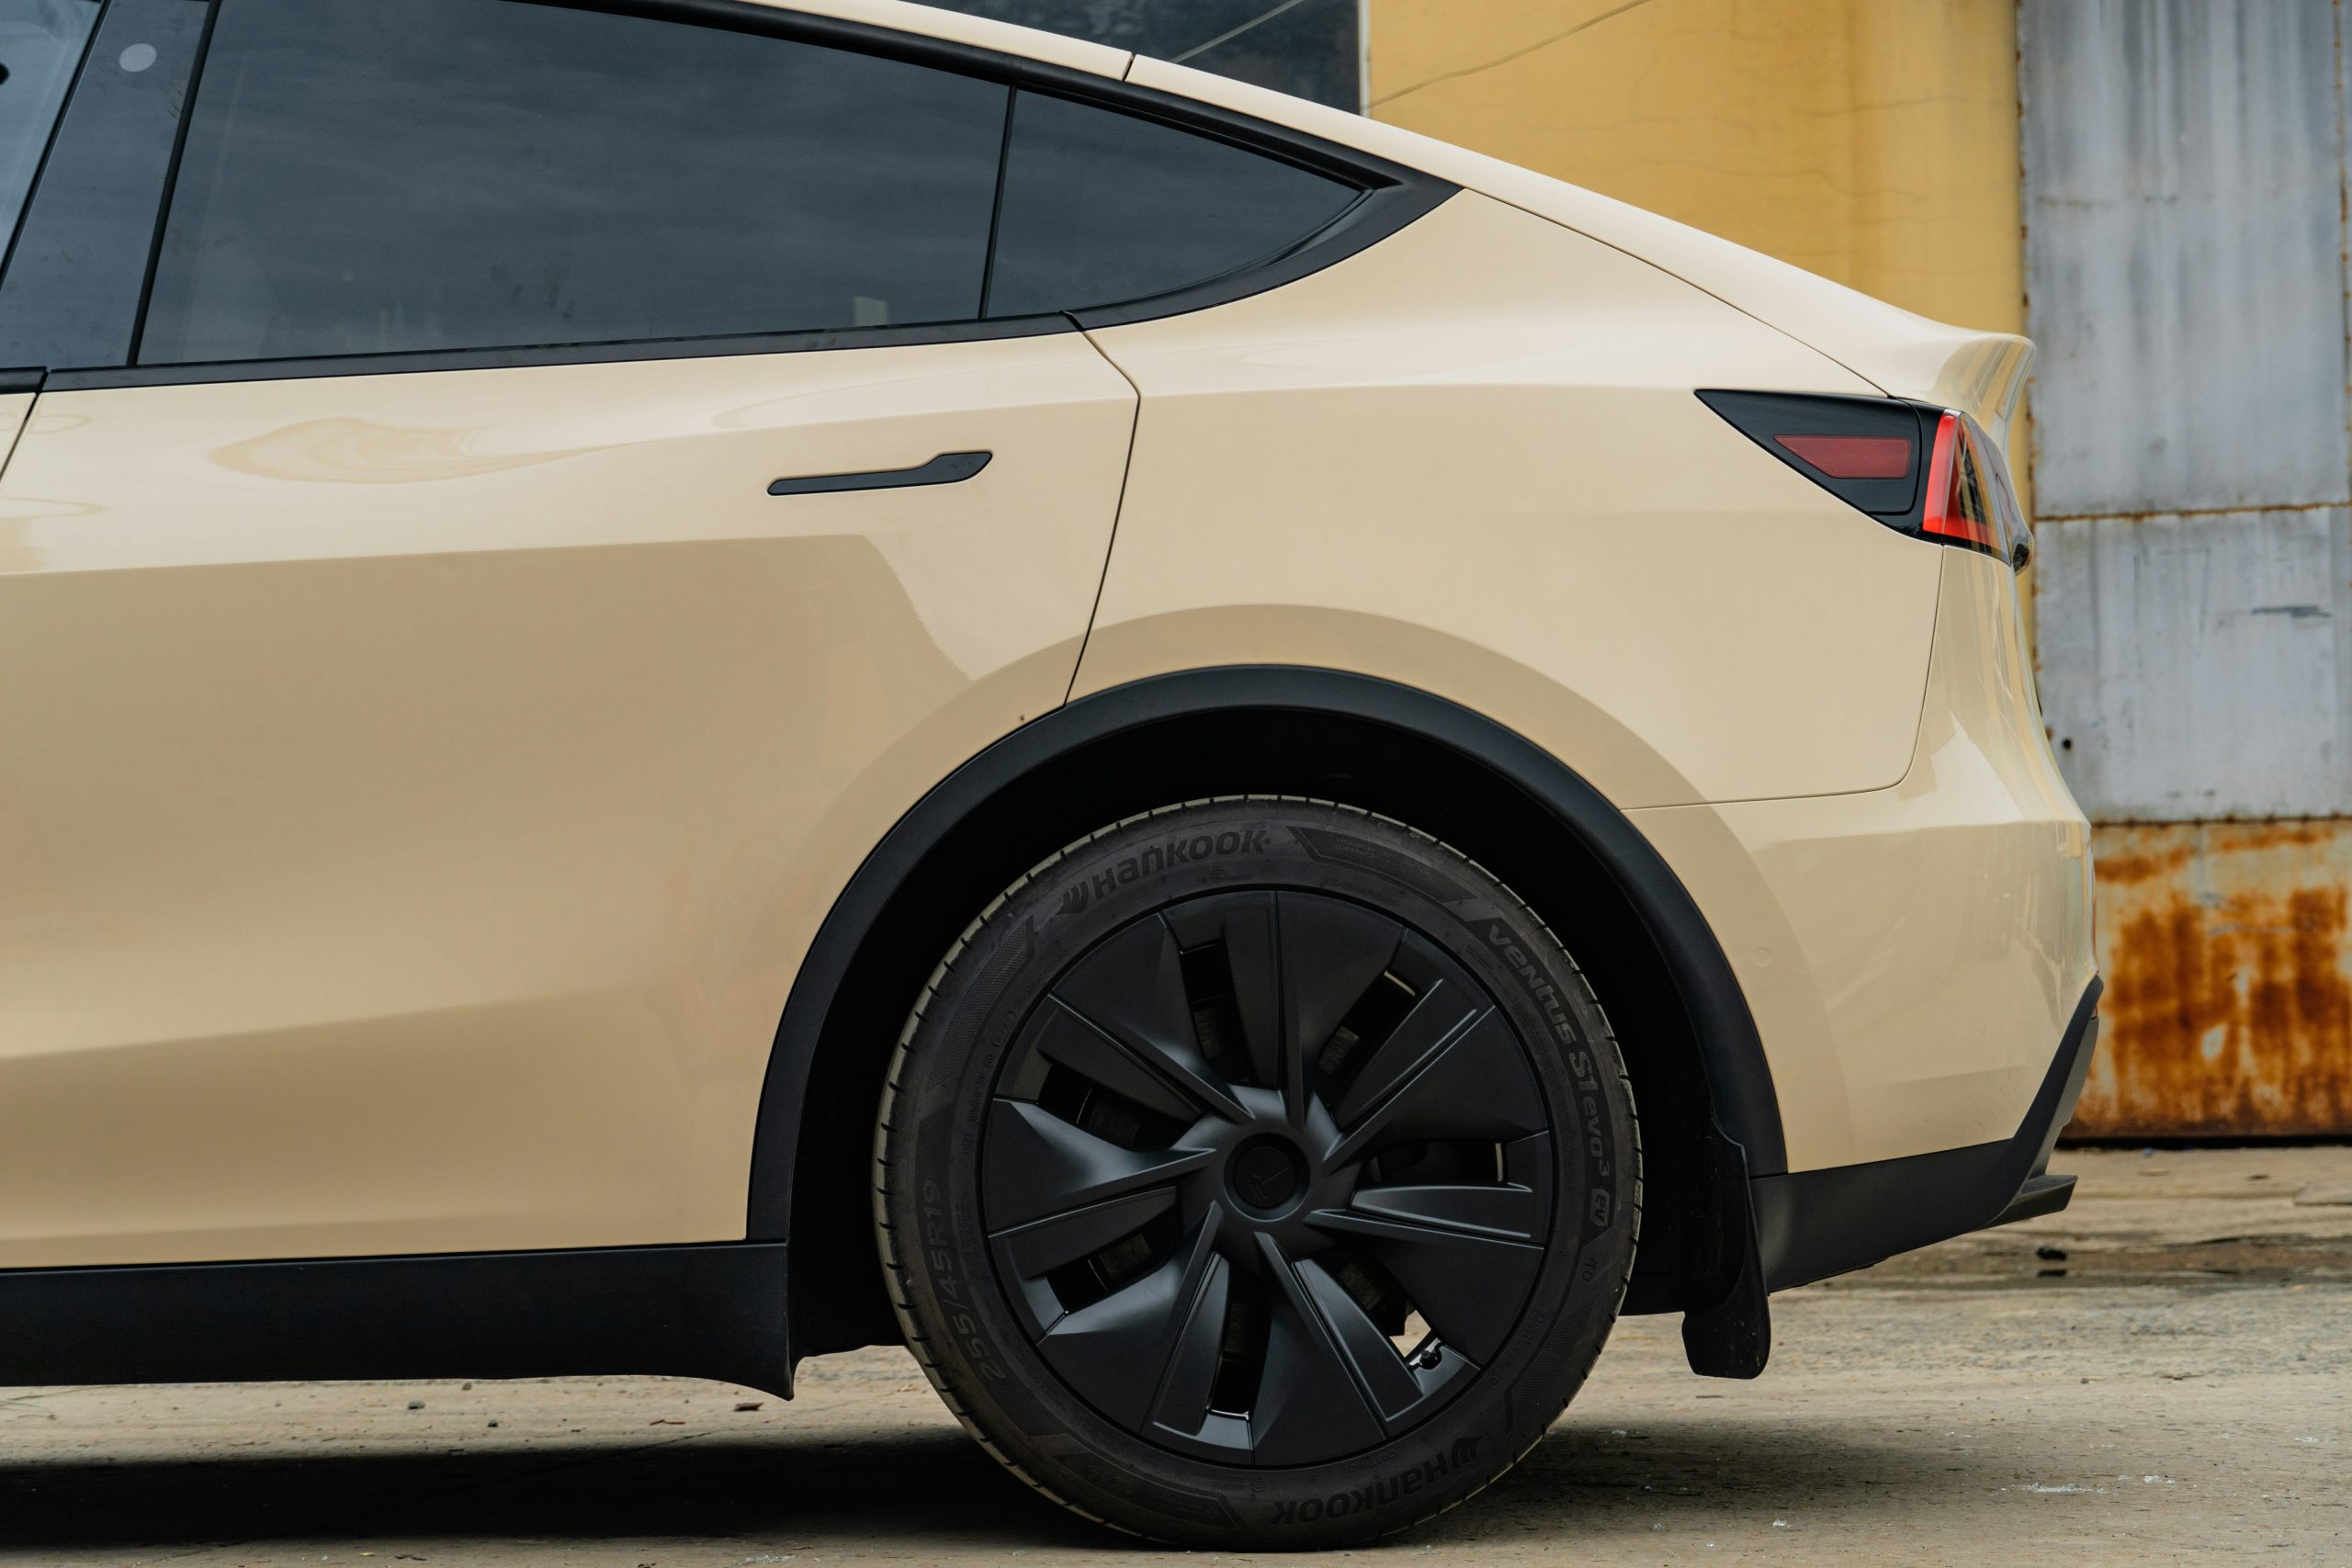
<point>714,1311</point>
<point>1738,1078</point>
<point>1812,1224</point>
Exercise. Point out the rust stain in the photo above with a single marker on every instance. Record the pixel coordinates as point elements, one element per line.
<point>2274,835</point>
<point>2228,953</point>
<point>2130,869</point>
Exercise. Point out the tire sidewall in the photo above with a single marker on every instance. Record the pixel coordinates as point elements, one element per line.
<point>974,1015</point>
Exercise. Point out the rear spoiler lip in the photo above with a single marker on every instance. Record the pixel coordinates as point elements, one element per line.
<point>1982,375</point>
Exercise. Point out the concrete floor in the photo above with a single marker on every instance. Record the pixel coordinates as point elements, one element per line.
<point>2177,1386</point>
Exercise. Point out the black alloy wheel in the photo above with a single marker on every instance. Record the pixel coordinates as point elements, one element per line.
<point>1269,1176</point>
<point>1256,1146</point>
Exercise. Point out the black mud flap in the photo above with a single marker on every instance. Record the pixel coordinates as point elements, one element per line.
<point>1732,1337</point>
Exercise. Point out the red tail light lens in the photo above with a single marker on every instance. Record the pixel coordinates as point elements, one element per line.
<point>1969,499</point>
<point>1920,470</point>
<point>1853,456</point>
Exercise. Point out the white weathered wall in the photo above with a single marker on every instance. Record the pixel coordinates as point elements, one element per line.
<point>2185,280</point>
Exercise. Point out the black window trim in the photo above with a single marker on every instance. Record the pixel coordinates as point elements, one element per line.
<point>625,351</point>
<point>172,177</point>
<point>1393,196</point>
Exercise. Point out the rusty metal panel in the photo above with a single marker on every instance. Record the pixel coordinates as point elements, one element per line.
<point>2184,253</point>
<point>2229,968</point>
<point>2199,667</point>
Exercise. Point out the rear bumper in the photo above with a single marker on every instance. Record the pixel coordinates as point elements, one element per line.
<point>1813,1223</point>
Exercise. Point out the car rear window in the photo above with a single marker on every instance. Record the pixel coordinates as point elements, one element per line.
<point>366,178</point>
<point>1103,208</point>
<point>40,45</point>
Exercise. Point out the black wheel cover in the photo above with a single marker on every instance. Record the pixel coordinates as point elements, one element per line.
<point>1266,1177</point>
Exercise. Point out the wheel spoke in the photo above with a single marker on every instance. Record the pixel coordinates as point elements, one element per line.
<point>1188,1375</point>
<point>1477,1087</point>
<point>1036,1165</point>
<point>1469,1286</point>
<point>1371,1355</point>
<point>1506,1212</point>
<point>1112,1352</point>
<point>1043,1245</point>
<point>1309,1405</point>
<point>1062,1036</point>
<point>1132,988</point>
<point>1247,924</point>
<point>1333,951</point>
<point>1438,1014</point>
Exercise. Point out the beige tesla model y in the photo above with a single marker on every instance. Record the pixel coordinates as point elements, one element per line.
<point>686,682</point>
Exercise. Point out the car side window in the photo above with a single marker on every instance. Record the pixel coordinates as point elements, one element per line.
<point>448,174</point>
<point>41,44</point>
<point>1103,208</point>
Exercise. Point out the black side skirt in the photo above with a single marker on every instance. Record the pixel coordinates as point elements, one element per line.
<point>1811,1225</point>
<point>719,1311</point>
<point>714,1311</point>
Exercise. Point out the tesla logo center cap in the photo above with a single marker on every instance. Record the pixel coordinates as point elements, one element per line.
<point>1267,1176</point>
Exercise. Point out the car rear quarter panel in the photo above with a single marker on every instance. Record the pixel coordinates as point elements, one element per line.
<point>1913,954</point>
<point>1469,460</point>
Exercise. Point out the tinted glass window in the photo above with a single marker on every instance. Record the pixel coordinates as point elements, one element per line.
<point>362,177</point>
<point>41,43</point>
<point>1102,206</point>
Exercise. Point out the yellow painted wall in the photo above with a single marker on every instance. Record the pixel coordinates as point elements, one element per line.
<point>1874,141</point>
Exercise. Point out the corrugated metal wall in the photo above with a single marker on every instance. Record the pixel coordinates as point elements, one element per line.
<point>2185,173</point>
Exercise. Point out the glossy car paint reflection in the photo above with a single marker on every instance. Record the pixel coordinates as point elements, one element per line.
<point>420,788</point>
<point>1908,952</point>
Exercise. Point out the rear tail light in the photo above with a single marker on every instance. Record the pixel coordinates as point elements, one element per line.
<point>1920,470</point>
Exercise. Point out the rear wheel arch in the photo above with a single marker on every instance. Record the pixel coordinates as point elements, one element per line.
<point>1692,1047</point>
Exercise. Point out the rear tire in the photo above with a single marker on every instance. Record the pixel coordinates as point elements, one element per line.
<point>1257,1173</point>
